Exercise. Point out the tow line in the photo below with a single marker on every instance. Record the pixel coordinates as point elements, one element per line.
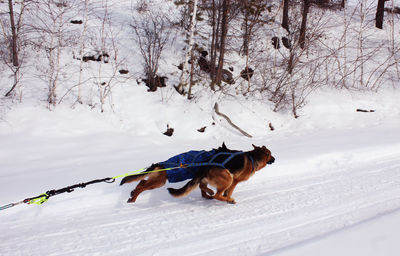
<point>42,198</point>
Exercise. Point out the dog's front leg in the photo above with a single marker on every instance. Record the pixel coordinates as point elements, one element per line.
<point>219,196</point>
<point>135,193</point>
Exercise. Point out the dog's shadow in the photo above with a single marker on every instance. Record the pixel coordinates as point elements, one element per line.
<point>159,198</point>
<point>194,199</point>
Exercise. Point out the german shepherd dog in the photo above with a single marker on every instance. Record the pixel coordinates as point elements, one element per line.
<point>240,168</point>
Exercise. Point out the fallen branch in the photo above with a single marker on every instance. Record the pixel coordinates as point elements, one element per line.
<point>364,110</point>
<point>216,108</point>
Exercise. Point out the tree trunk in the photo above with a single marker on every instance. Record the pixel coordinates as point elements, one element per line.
<point>302,38</point>
<point>224,32</point>
<point>182,82</point>
<point>246,35</point>
<point>14,35</point>
<point>189,96</point>
<point>214,42</point>
<point>82,49</point>
<point>380,13</point>
<point>285,16</point>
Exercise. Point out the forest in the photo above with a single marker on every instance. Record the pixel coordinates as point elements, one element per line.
<point>80,51</point>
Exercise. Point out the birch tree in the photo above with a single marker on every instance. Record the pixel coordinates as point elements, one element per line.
<point>189,53</point>
<point>82,48</point>
<point>49,32</point>
<point>107,69</point>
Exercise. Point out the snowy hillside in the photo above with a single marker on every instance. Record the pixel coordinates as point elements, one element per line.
<point>325,181</point>
<point>334,188</point>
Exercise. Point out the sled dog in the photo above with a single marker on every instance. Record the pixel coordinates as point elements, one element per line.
<point>229,167</point>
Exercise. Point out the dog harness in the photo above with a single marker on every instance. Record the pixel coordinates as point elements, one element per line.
<point>191,162</point>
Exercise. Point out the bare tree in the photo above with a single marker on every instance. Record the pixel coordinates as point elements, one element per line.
<point>106,77</point>
<point>394,45</point>
<point>220,13</point>
<point>224,32</point>
<point>363,62</point>
<point>152,34</point>
<point>295,72</point>
<point>15,28</point>
<point>100,61</point>
<point>252,11</point>
<point>215,23</point>
<point>49,32</point>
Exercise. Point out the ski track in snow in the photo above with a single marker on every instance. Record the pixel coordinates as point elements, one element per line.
<point>271,214</point>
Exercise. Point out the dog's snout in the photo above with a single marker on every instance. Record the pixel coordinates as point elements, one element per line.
<point>271,161</point>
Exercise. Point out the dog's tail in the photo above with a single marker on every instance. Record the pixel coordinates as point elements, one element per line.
<point>136,177</point>
<point>183,191</point>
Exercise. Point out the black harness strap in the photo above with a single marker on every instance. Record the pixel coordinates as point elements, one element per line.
<point>69,189</point>
<point>212,162</point>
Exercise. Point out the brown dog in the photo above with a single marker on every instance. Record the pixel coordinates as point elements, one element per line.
<point>240,167</point>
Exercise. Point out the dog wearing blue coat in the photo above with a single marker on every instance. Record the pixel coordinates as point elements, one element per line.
<point>221,168</point>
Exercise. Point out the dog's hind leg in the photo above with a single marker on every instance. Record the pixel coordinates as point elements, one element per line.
<point>221,179</point>
<point>206,192</point>
<point>156,180</point>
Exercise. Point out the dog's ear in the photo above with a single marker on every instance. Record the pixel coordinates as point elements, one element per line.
<point>254,146</point>
<point>223,147</point>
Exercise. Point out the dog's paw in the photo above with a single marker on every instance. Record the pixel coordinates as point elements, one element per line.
<point>232,201</point>
<point>130,200</point>
<point>206,196</point>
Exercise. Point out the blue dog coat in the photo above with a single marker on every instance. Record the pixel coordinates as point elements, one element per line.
<point>193,160</point>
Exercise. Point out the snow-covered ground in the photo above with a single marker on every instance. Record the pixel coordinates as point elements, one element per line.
<point>334,188</point>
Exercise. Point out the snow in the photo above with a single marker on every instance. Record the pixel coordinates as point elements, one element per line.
<point>334,188</point>
<point>331,182</point>
<point>368,238</point>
